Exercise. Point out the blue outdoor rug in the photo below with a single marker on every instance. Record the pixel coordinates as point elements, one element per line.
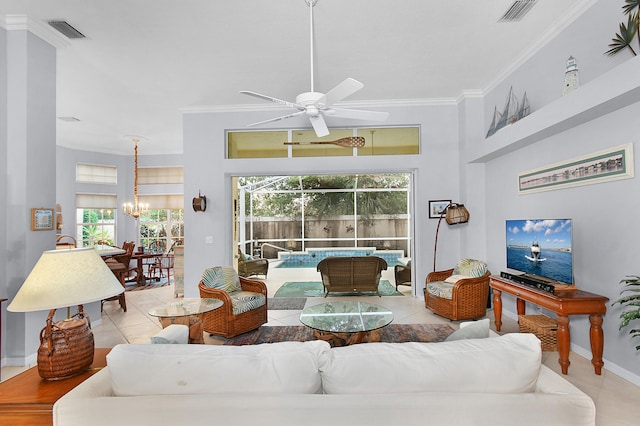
<point>315,289</point>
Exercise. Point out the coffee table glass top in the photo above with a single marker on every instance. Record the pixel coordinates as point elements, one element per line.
<point>346,317</point>
<point>185,307</point>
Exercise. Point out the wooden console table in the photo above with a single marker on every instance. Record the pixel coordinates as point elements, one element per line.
<point>563,303</point>
<point>27,399</point>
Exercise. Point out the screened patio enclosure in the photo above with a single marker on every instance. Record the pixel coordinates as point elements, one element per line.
<point>275,214</point>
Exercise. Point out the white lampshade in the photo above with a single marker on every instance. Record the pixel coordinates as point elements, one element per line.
<point>64,278</point>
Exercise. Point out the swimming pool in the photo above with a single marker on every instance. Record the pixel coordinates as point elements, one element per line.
<point>311,257</point>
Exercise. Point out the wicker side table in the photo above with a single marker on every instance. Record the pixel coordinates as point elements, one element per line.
<point>545,329</point>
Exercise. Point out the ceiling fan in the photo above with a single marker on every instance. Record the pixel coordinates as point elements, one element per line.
<point>316,105</point>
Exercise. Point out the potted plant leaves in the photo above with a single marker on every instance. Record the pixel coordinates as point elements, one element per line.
<point>631,299</point>
<point>629,31</point>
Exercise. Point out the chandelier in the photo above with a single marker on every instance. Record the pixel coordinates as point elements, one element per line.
<point>135,209</point>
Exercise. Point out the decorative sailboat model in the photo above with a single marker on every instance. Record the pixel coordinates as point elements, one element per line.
<point>512,112</point>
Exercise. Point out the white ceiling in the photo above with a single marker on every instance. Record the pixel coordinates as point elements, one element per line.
<point>145,61</point>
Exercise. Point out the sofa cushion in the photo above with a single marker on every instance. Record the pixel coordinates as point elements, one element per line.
<point>470,330</point>
<point>284,368</point>
<point>506,364</point>
<point>222,278</point>
<point>172,334</point>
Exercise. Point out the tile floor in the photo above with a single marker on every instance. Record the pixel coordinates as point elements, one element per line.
<point>617,400</point>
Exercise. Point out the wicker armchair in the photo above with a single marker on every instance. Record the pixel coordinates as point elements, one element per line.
<point>351,274</point>
<point>248,266</point>
<point>244,302</point>
<point>464,296</point>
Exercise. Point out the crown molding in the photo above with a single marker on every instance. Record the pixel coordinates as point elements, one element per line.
<point>353,104</point>
<point>42,31</point>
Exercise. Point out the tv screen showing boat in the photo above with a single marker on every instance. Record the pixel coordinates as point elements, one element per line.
<point>541,247</point>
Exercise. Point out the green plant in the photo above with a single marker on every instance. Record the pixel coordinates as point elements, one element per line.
<point>632,285</point>
<point>629,31</point>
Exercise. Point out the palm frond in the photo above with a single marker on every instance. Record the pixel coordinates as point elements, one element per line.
<point>624,38</point>
<point>630,5</point>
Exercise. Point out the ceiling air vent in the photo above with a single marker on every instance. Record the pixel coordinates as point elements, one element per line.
<point>517,10</point>
<point>66,29</point>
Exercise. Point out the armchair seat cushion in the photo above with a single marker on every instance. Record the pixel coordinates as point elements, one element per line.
<point>441,289</point>
<point>245,301</point>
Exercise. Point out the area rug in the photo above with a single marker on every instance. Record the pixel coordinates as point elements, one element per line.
<point>315,289</point>
<point>393,333</point>
<point>286,303</point>
<point>149,285</point>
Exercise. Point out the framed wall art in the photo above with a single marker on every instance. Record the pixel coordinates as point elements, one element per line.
<point>436,207</point>
<point>41,219</point>
<point>611,164</point>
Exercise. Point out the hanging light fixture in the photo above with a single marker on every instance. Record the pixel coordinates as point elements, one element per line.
<point>135,209</point>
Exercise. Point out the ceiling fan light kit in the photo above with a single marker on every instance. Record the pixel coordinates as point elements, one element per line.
<point>317,105</point>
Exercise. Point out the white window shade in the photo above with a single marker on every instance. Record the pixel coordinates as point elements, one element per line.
<point>96,201</point>
<point>160,175</point>
<point>94,173</point>
<point>163,201</point>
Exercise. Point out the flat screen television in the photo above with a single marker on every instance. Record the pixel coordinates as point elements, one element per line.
<point>541,248</point>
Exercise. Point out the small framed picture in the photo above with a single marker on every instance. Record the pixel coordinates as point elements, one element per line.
<point>436,207</point>
<point>41,219</point>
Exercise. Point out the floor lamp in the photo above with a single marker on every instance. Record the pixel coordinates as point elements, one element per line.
<point>454,214</point>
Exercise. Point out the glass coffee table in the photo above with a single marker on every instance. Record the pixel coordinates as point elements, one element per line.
<point>345,323</point>
<point>188,312</point>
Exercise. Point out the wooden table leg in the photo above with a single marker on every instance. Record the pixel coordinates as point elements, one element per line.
<point>497,308</point>
<point>564,342</point>
<point>521,306</point>
<point>596,336</point>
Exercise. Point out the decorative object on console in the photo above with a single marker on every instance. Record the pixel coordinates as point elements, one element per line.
<point>602,166</point>
<point>624,39</point>
<point>571,77</point>
<point>135,209</point>
<point>63,278</point>
<point>199,203</point>
<point>455,214</point>
<point>512,112</point>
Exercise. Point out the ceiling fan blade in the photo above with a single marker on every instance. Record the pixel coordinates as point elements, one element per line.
<point>356,114</point>
<point>272,99</point>
<point>276,119</point>
<point>347,88</point>
<point>317,121</point>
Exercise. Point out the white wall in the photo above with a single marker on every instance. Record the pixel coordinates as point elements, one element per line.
<point>207,170</point>
<point>605,230</point>
<point>28,141</point>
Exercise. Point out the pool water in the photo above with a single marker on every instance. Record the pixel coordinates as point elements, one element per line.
<point>312,257</point>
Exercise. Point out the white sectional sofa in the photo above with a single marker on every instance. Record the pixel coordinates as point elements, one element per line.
<point>492,381</point>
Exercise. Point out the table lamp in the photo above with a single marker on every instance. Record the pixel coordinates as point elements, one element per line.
<point>63,278</point>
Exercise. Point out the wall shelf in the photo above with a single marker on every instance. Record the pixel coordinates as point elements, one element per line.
<point>616,89</point>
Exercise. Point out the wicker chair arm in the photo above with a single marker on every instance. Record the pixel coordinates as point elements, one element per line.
<point>439,275</point>
<point>253,285</point>
<point>214,293</point>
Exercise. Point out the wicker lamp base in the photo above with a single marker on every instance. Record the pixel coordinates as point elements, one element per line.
<point>66,347</point>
